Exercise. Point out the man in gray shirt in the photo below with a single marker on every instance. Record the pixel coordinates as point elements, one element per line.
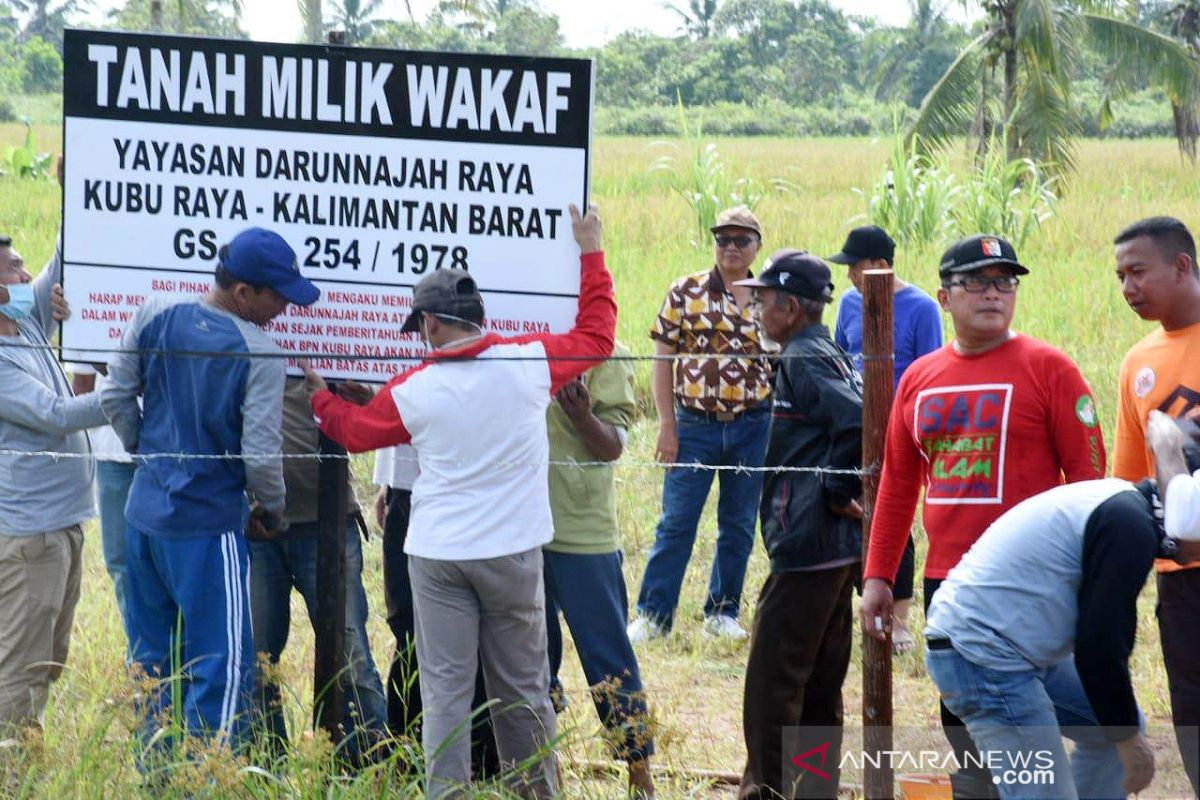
<point>1033,630</point>
<point>43,501</point>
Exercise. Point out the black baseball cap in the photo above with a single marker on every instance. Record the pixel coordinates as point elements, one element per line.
<point>445,291</point>
<point>867,242</point>
<point>977,252</point>
<point>795,271</point>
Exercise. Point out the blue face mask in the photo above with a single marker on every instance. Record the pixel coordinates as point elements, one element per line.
<point>20,301</point>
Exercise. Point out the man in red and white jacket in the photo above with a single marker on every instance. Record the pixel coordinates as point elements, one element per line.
<point>475,411</point>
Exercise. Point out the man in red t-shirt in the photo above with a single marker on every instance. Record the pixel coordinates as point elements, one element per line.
<point>982,423</point>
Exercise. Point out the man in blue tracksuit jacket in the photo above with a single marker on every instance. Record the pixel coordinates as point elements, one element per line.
<point>188,559</point>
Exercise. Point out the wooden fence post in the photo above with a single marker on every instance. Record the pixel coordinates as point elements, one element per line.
<point>878,387</point>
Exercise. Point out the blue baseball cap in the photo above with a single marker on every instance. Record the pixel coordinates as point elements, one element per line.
<point>262,258</point>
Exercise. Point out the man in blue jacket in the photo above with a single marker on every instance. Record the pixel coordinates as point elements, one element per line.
<point>187,554</point>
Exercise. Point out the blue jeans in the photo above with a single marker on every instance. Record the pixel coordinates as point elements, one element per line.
<point>1026,712</point>
<point>112,490</point>
<point>277,567</point>
<point>741,442</point>
<point>590,592</point>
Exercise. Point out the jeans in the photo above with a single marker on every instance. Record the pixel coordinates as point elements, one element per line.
<point>1023,713</point>
<point>741,442</point>
<point>277,568</point>
<point>589,589</point>
<point>112,490</point>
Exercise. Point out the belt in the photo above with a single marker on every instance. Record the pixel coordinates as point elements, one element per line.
<point>938,644</point>
<point>713,416</point>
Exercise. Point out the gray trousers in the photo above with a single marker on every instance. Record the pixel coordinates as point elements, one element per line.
<point>492,609</point>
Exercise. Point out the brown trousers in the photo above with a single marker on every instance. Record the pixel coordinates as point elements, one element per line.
<point>799,654</point>
<point>39,589</point>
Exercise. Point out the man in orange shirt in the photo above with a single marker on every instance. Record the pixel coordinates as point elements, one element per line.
<point>1156,264</point>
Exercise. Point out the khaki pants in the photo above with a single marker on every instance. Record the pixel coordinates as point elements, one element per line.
<point>493,609</point>
<point>39,588</point>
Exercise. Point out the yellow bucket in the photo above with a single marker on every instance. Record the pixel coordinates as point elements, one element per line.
<point>925,787</point>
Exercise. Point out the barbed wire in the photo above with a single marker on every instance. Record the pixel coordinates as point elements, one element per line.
<point>431,356</point>
<point>736,468</point>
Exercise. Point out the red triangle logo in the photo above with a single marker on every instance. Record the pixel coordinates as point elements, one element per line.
<point>800,760</point>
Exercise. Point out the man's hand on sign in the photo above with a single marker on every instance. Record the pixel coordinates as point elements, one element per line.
<point>575,400</point>
<point>354,392</point>
<point>313,382</point>
<point>587,228</point>
<point>59,307</point>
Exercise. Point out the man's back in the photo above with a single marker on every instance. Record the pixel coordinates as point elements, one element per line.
<point>200,404</point>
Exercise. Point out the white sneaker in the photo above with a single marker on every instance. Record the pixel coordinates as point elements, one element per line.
<point>643,629</point>
<point>720,626</point>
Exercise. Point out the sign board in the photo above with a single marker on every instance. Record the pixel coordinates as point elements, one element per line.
<point>377,166</point>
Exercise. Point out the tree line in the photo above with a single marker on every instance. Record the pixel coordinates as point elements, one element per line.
<point>1039,71</point>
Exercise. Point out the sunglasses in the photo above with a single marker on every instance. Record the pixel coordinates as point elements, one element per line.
<point>976,284</point>
<point>741,242</point>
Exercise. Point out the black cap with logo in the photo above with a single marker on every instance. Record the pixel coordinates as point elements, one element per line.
<point>868,242</point>
<point>977,252</point>
<point>795,271</point>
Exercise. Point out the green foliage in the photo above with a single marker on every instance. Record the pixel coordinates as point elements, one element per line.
<point>25,161</point>
<point>919,200</point>
<point>914,199</point>
<point>7,112</point>
<point>192,17</point>
<point>1011,198</point>
<point>42,67</point>
<point>697,173</point>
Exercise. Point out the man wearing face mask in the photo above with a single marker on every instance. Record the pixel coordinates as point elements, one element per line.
<point>186,548</point>
<point>475,412</point>
<point>43,502</point>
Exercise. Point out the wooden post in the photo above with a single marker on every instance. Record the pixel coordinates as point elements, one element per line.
<point>333,507</point>
<point>878,387</point>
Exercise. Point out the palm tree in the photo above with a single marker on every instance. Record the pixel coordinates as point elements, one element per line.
<point>313,19</point>
<point>478,16</point>
<point>355,17</point>
<point>928,25</point>
<point>47,18</point>
<point>1012,83</point>
<point>1185,26</point>
<point>696,20</point>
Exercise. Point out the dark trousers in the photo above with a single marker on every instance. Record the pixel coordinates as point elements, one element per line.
<point>403,687</point>
<point>972,780</point>
<point>589,589</point>
<point>799,654</point>
<point>1178,621</point>
<point>902,589</point>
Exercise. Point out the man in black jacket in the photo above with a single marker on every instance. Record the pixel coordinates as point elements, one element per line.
<point>800,647</point>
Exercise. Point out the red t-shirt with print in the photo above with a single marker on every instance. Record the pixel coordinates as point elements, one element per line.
<point>980,433</point>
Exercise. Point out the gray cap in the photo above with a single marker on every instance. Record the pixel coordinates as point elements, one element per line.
<point>444,291</point>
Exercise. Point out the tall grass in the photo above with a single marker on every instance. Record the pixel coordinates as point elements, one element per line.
<point>694,685</point>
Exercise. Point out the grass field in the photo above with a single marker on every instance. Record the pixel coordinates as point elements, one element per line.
<point>1071,299</point>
